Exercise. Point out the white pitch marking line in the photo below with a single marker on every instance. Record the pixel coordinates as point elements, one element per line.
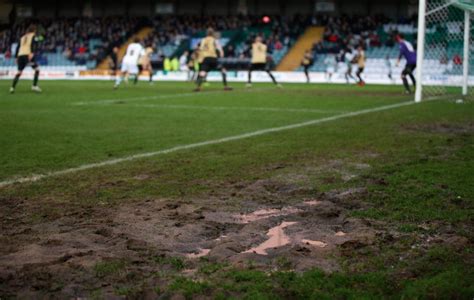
<point>111,101</point>
<point>166,96</point>
<point>34,178</point>
<point>309,110</point>
<point>221,108</point>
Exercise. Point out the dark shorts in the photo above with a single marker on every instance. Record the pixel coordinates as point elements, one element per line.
<point>115,65</point>
<point>140,68</point>
<point>306,67</point>
<point>360,70</point>
<point>210,64</point>
<point>23,62</point>
<point>409,68</point>
<point>259,67</point>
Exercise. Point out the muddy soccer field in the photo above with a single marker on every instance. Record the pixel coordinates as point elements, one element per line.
<point>317,191</point>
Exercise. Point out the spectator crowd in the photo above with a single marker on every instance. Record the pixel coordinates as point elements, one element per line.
<point>91,39</point>
<point>77,39</point>
<point>345,31</point>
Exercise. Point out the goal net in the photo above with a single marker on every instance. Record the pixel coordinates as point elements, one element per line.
<point>445,49</point>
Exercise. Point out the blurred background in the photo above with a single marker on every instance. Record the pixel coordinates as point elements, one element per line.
<point>81,35</point>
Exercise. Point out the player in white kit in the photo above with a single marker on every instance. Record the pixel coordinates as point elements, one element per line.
<point>331,66</point>
<point>130,61</point>
<point>349,60</point>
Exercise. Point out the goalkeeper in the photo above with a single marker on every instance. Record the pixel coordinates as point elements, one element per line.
<point>408,52</point>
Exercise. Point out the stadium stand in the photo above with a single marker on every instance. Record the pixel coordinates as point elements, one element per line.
<point>293,58</point>
<point>71,42</point>
<point>85,43</point>
<point>376,35</point>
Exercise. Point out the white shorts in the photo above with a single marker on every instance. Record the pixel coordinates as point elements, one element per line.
<point>131,68</point>
<point>330,70</point>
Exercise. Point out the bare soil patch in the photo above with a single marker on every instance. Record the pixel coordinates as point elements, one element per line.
<point>344,93</point>
<point>265,222</point>
<point>443,128</point>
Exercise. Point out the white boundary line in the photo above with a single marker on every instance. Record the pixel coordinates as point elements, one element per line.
<point>167,96</point>
<point>144,98</point>
<point>274,109</point>
<point>34,178</point>
<point>221,108</point>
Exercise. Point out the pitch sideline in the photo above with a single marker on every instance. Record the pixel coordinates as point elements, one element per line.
<point>34,178</point>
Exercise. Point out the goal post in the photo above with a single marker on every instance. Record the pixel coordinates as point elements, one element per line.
<point>420,50</point>
<point>445,49</point>
<point>467,56</point>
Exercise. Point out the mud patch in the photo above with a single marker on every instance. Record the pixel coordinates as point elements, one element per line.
<point>444,128</point>
<point>259,221</point>
<point>307,234</point>
<point>264,214</point>
<point>350,94</point>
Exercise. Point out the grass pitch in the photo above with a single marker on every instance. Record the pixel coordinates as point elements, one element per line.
<point>388,194</point>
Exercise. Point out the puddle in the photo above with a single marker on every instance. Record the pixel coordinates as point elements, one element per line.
<point>312,202</point>
<point>189,272</point>
<point>221,238</point>
<point>264,214</point>
<point>361,166</point>
<point>348,177</point>
<point>201,253</point>
<point>277,238</point>
<point>314,243</point>
<point>142,177</point>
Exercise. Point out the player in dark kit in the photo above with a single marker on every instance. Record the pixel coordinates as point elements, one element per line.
<point>408,52</point>
<point>259,61</point>
<point>307,63</point>
<point>114,63</point>
<point>209,50</point>
<point>25,56</point>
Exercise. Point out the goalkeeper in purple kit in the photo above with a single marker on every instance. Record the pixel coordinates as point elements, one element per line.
<point>409,53</point>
